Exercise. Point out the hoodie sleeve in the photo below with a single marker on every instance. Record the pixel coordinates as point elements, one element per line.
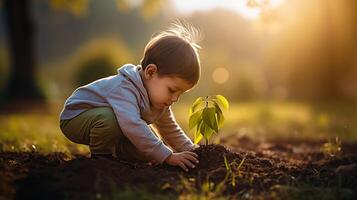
<point>172,133</point>
<point>126,109</point>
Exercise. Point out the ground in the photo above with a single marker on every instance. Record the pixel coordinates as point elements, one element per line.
<point>276,150</point>
<point>268,170</point>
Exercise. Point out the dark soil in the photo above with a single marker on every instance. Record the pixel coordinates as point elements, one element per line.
<point>26,175</point>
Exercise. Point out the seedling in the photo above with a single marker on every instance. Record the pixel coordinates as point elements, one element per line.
<point>231,168</point>
<point>206,116</point>
<point>196,189</point>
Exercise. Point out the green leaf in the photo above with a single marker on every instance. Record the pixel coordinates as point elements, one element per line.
<point>206,116</point>
<point>198,136</point>
<point>220,117</point>
<point>222,101</point>
<point>199,125</point>
<point>199,101</point>
<point>209,118</point>
<point>216,105</point>
<point>206,131</point>
<point>194,119</point>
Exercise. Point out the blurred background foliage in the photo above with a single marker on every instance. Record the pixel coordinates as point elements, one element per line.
<point>289,66</point>
<point>298,50</point>
<point>4,66</point>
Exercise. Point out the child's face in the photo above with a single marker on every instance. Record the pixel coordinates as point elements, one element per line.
<point>163,90</point>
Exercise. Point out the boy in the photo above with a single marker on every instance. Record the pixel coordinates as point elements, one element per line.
<point>112,114</point>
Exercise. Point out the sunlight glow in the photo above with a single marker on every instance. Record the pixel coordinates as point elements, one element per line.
<point>220,75</point>
<point>239,6</point>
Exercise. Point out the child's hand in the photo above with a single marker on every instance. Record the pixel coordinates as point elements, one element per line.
<point>153,163</point>
<point>183,159</point>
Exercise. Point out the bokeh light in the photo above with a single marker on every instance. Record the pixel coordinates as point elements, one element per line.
<point>220,75</point>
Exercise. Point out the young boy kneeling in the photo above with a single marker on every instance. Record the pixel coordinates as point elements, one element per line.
<point>112,114</point>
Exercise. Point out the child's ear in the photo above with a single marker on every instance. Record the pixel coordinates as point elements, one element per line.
<point>150,70</point>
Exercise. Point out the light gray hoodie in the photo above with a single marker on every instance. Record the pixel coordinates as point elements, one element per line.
<point>127,96</point>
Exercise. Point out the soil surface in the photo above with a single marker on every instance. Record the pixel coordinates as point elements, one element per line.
<point>266,168</point>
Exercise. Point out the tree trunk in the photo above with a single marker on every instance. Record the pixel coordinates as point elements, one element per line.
<point>21,86</point>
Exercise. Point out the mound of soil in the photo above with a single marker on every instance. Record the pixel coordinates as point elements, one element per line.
<point>26,175</point>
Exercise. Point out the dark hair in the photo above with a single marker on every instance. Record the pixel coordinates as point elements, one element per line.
<point>175,53</point>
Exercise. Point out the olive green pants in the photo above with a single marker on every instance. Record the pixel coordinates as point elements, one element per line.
<point>98,128</point>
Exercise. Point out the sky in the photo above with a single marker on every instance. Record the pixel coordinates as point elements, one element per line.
<point>239,6</point>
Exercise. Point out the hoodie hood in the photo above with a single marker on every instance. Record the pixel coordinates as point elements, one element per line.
<point>131,72</point>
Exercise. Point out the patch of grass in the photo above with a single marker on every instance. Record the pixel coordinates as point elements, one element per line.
<point>20,132</point>
<point>332,147</point>
<point>34,132</point>
<point>192,188</point>
<point>285,120</point>
<point>233,170</point>
<point>195,188</point>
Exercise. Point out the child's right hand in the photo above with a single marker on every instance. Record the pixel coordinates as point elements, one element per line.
<point>183,159</point>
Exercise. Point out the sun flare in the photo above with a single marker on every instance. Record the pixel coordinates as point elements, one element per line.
<point>240,6</point>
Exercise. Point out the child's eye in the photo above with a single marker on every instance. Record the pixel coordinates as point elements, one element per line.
<point>171,90</point>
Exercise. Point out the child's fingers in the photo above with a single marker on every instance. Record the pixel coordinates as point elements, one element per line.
<point>191,158</point>
<point>183,166</point>
<point>188,162</point>
<point>191,153</point>
<point>153,163</point>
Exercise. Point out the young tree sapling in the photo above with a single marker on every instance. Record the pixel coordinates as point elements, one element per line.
<point>206,116</point>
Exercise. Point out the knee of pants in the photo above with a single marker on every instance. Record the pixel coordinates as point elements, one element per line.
<point>108,124</point>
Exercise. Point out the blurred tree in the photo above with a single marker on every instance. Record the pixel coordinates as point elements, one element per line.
<point>93,69</point>
<point>22,87</point>
<point>97,59</point>
<point>315,55</point>
<point>335,51</point>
